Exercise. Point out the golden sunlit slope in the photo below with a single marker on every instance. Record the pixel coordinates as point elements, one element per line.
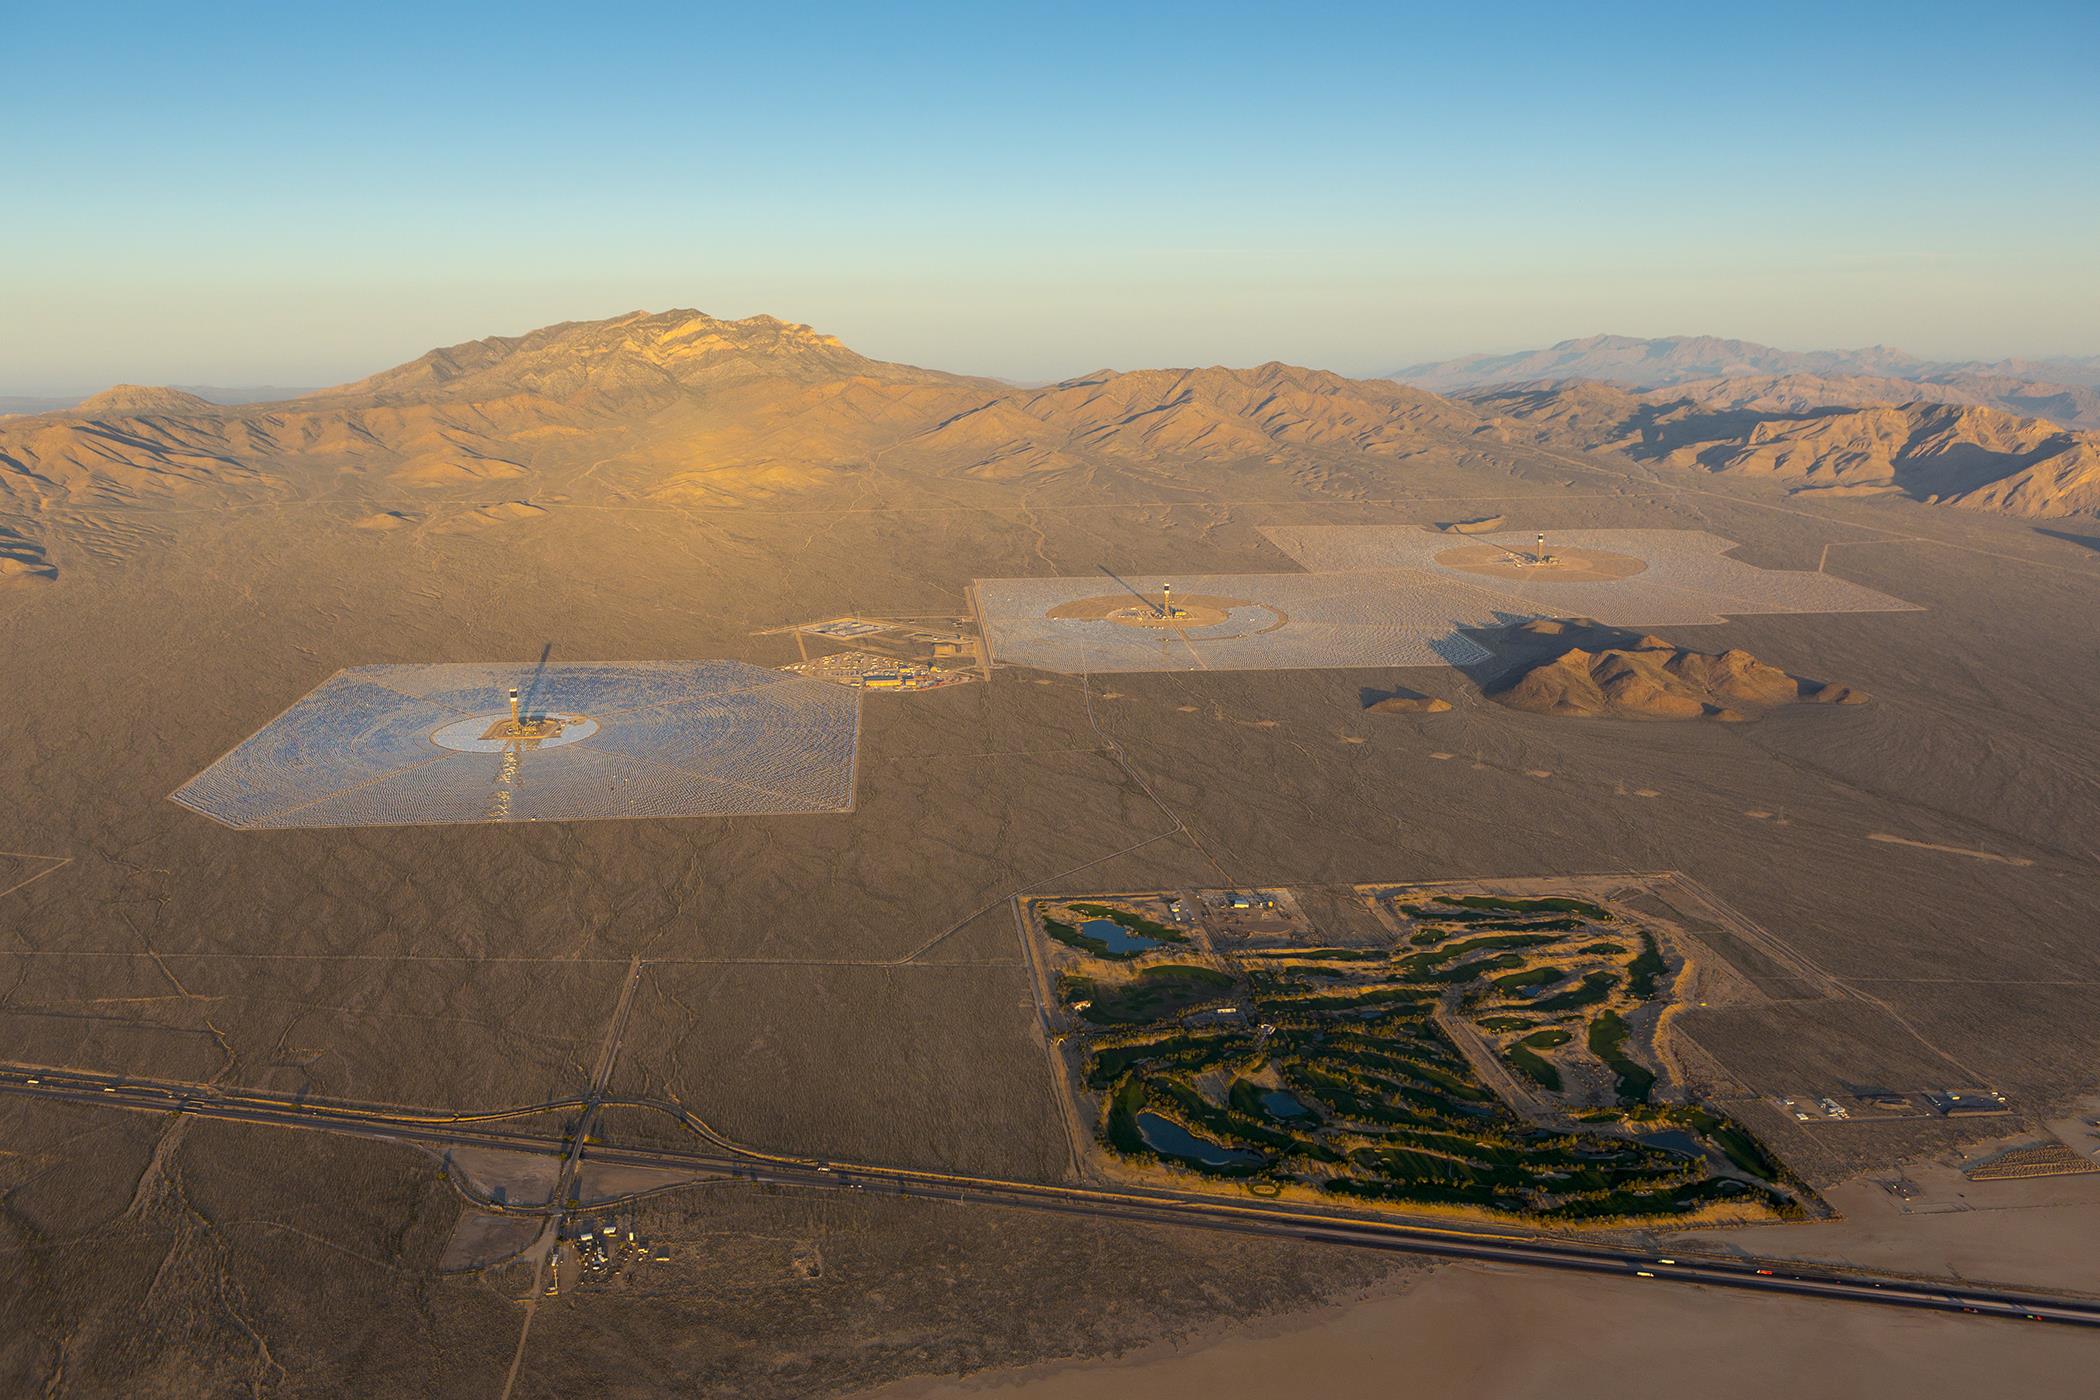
<point>95,457</point>
<point>1976,458</point>
<point>667,400</point>
<point>1192,415</point>
<point>1719,374</point>
<point>1578,412</point>
<point>2071,405</point>
<point>1599,672</point>
<point>682,408</point>
<point>637,356</point>
<point>677,405</point>
<point>1743,373</point>
<point>140,400</point>
<point>1955,454</point>
<point>23,560</point>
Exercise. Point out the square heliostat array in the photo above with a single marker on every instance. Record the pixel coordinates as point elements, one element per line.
<point>413,745</point>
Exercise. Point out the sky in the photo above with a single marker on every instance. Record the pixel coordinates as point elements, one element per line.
<point>299,195</point>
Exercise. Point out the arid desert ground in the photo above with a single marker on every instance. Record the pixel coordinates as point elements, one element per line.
<point>849,986</point>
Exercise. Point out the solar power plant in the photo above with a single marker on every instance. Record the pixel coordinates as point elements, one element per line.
<point>1277,622</point>
<point>1682,577</point>
<point>414,745</point>
<point>1380,596</point>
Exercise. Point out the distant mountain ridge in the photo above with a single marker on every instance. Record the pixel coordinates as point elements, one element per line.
<point>679,409</point>
<point>1964,455</point>
<point>210,393</point>
<point>138,400</point>
<point>639,352</point>
<point>684,408</point>
<point>1212,414</point>
<point>1660,362</point>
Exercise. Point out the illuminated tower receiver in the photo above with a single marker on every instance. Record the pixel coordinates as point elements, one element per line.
<point>1540,557</point>
<point>1166,600</point>
<point>513,707</point>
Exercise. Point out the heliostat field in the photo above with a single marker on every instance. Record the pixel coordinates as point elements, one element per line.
<point>1377,596</point>
<point>1270,622</point>
<point>413,745</point>
<point>1625,578</point>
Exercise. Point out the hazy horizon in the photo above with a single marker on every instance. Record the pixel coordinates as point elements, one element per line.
<point>1061,836</point>
<point>316,199</point>
<point>208,388</point>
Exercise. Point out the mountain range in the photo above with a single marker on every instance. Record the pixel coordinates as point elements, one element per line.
<point>681,408</point>
<point>210,393</point>
<point>1681,359</point>
<point>1961,455</point>
<point>1743,374</point>
<point>679,405</point>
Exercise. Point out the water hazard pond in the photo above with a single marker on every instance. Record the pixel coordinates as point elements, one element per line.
<point>1169,1139</point>
<point>1282,1103</point>
<point>1115,937</point>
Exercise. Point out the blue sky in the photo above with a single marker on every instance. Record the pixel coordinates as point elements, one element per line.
<point>298,195</point>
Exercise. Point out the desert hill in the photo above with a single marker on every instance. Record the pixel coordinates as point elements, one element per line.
<point>1210,415</point>
<point>2071,405</point>
<point>1743,374</point>
<point>1572,412</point>
<point>126,442</point>
<point>640,354</point>
<point>139,400</point>
<point>1954,454</point>
<point>681,407</point>
<point>1639,363</point>
<point>209,393</point>
<point>1402,701</point>
<point>687,410</point>
<point>1975,458</point>
<point>675,393</point>
<point>23,560</point>
<point>1597,672</point>
<point>115,457</point>
<point>1663,361</point>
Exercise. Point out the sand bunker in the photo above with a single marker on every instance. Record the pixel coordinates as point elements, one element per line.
<point>413,745</point>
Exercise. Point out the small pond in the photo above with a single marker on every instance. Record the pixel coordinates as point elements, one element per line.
<point>1169,1139</point>
<point>1118,940</point>
<point>1675,1140</point>
<point>1282,1103</point>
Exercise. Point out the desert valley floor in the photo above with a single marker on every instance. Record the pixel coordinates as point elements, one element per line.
<point>846,981</point>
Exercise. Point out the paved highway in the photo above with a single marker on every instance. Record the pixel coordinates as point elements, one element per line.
<point>718,1156</point>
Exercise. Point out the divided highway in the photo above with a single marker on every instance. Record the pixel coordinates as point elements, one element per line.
<point>718,1156</point>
